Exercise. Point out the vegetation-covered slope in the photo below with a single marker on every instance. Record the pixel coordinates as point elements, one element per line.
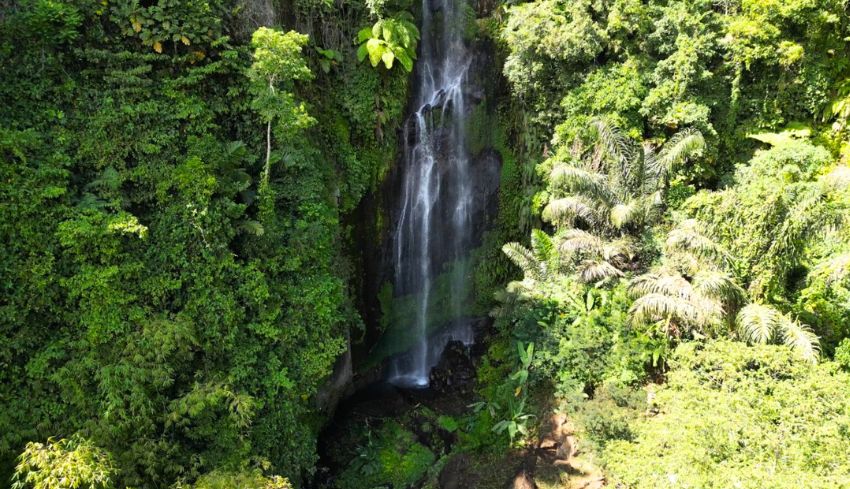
<point>177,276</point>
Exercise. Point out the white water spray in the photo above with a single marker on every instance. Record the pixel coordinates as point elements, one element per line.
<point>436,187</point>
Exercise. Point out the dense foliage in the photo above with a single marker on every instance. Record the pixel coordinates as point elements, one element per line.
<point>694,188</point>
<point>174,284</point>
<point>178,262</point>
<point>737,416</point>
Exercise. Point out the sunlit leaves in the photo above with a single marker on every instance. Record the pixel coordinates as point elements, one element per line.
<point>758,323</point>
<point>388,40</point>
<point>70,463</point>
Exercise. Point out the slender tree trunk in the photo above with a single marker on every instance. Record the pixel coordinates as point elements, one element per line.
<point>268,152</point>
<point>267,169</point>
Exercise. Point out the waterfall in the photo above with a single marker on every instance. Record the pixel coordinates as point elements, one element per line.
<point>433,228</point>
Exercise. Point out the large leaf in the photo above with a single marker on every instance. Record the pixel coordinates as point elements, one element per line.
<point>376,48</point>
<point>364,35</point>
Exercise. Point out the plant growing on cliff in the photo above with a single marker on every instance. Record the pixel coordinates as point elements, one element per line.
<point>277,64</point>
<point>389,39</point>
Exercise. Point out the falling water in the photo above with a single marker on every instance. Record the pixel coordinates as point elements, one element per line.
<point>433,227</point>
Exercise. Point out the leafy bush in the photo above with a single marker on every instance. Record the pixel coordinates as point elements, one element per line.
<point>733,415</point>
<point>392,457</point>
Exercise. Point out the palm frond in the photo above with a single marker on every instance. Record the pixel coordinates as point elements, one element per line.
<point>718,285</point>
<point>690,237</point>
<point>578,241</point>
<point>656,307</point>
<point>611,143</point>
<point>668,284</point>
<point>595,270</point>
<point>566,210</point>
<point>542,246</point>
<point>574,180</point>
<point>525,259</point>
<point>624,214</point>
<point>801,339</point>
<point>622,249</point>
<point>685,144</point>
<point>758,323</point>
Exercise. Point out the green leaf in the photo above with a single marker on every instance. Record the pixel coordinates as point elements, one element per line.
<point>388,57</point>
<point>362,52</point>
<point>364,35</point>
<point>404,59</point>
<point>376,49</point>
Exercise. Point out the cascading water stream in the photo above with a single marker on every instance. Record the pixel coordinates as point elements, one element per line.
<point>433,227</point>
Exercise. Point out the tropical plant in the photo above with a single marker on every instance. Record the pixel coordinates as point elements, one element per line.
<point>689,293</point>
<point>389,39</point>
<point>759,323</point>
<point>516,423</point>
<point>539,263</point>
<point>693,293</point>
<point>733,415</point>
<point>277,64</point>
<point>74,462</point>
<point>607,189</point>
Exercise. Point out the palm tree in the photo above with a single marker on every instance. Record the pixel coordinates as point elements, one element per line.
<point>758,323</point>
<point>693,293</point>
<point>538,263</point>
<point>607,191</point>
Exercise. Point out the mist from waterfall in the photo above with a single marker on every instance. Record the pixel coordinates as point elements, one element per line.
<point>433,227</point>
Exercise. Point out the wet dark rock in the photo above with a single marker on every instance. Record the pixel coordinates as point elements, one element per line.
<point>455,371</point>
<point>458,473</point>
